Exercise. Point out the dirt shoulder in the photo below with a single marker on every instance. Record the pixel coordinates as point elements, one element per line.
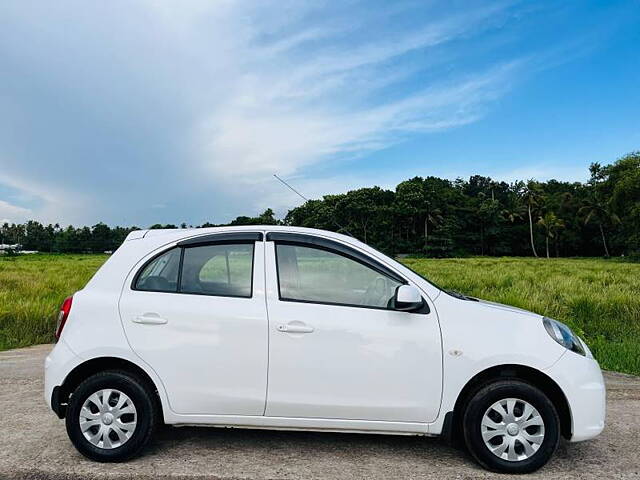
<point>34,444</point>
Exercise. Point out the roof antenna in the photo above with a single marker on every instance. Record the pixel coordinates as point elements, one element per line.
<point>291,188</point>
<point>306,200</point>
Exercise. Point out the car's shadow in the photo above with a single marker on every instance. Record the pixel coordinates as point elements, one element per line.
<point>311,444</point>
<point>348,453</point>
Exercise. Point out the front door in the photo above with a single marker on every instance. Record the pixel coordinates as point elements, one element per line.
<point>196,314</point>
<point>337,348</point>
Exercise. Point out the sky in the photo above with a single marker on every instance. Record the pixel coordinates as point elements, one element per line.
<point>140,112</point>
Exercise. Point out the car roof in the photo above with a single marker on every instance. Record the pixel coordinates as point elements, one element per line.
<point>181,233</point>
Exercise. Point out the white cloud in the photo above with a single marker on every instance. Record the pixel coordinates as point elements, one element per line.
<point>53,198</point>
<point>544,171</point>
<point>285,110</point>
<point>249,143</point>
<point>13,213</point>
<point>218,96</point>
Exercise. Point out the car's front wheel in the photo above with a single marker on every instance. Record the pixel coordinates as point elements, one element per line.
<point>111,416</point>
<point>511,426</point>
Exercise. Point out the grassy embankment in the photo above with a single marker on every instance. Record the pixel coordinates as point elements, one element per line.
<point>600,299</point>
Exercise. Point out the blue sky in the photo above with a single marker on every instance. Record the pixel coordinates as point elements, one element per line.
<point>140,112</point>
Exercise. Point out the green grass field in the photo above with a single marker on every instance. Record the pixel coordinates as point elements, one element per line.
<point>599,299</point>
<point>32,287</point>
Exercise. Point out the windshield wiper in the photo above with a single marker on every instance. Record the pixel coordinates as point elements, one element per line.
<point>460,296</point>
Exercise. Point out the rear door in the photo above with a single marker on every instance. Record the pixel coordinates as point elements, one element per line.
<point>195,312</point>
<point>337,348</point>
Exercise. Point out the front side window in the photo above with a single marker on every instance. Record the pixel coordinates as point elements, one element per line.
<point>316,275</point>
<point>223,270</point>
<point>161,274</point>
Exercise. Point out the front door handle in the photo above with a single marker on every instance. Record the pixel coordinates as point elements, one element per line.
<point>150,319</point>
<point>294,327</point>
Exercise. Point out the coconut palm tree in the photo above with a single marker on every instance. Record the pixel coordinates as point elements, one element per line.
<point>434,217</point>
<point>551,224</point>
<point>531,196</point>
<point>492,186</point>
<point>599,212</point>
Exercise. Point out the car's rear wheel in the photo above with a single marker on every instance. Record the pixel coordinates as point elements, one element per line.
<point>111,416</point>
<point>511,426</point>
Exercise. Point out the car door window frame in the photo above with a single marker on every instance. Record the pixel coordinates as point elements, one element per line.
<point>336,248</point>
<point>243,238</point>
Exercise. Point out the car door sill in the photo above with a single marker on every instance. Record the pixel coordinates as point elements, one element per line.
<point>292,423</point>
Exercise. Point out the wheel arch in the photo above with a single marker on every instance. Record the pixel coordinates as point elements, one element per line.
<point>84,370</point>
<point>453,425</point>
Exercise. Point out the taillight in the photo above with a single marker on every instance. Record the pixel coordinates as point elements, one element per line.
<point>65,309</point>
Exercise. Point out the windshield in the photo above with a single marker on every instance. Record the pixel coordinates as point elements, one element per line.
<point>407,267</point>
<point>420,275</point>
<point>453,293</point>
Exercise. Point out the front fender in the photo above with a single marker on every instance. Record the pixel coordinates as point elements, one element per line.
<point>478,336</point>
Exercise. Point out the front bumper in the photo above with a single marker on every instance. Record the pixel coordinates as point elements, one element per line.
<point>580,378</point>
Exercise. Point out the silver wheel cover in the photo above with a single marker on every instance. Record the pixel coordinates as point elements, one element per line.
<point>108,418</point>
<point>512,429</point>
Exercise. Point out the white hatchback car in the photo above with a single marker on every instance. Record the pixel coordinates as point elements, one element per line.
<point>301,329</point>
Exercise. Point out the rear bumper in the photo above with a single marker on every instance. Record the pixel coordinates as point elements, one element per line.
<point>581,381</point>
<point>57,366</point>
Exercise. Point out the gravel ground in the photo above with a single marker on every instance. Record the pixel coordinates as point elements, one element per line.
<point>34,444</point>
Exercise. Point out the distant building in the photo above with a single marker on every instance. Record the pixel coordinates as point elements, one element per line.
<point>16,247</point>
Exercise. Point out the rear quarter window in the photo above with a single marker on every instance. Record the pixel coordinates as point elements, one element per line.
<point>161,273</point>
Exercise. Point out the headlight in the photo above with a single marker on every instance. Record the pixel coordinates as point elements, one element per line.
<point>564,336</point>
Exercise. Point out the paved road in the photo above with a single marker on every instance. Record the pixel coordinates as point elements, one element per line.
<point>34,445</point>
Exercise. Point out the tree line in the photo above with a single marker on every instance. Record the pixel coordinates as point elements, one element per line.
<point>99,238</point>
<point>438,217</point>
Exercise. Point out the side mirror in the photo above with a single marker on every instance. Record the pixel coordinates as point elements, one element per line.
<point>408,299</point>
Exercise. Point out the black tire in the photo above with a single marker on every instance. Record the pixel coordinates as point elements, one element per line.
<point>143,399</point>
<point>500,390</point>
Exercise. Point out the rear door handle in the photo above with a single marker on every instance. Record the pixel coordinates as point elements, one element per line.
<point>150,319</point>
<point>294,328</point>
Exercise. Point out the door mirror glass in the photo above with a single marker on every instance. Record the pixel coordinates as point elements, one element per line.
<point>408,299</point>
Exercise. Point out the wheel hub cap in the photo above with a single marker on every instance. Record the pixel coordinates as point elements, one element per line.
<point>108,418</point>
<point>512,429</point>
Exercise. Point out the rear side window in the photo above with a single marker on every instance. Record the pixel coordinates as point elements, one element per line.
<point>223,270</point>
<point>218,269</point>
<point>161,274</point>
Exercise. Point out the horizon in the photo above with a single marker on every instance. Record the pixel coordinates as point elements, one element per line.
<point>187,119</point>
<point>281,216</point>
